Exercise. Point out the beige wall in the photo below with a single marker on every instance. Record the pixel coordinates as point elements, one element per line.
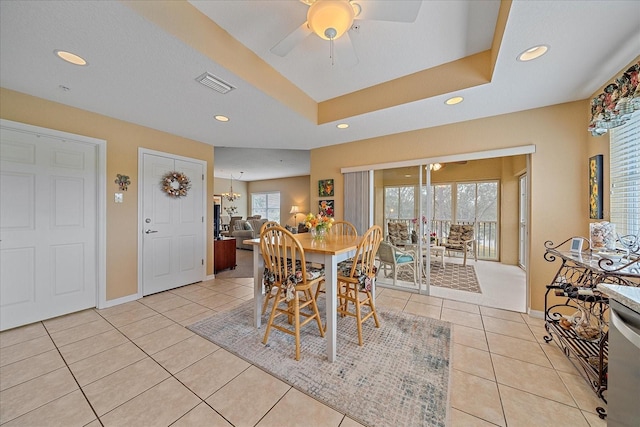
<point>558,183</point>
<point>293,191</point>
<point>123,140</point>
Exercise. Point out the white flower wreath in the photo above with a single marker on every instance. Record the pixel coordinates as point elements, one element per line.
<point>176,184</point>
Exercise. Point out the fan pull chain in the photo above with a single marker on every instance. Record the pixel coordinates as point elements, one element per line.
<point>331,54</point>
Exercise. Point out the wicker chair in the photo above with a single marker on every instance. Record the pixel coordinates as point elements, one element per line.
<point>396,258</point>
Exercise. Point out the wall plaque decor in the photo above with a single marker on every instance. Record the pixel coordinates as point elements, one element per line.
<point>325,208</point>
<point>325,187</point>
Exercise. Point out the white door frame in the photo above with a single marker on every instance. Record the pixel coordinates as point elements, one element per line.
<point>101,194</point>
<point>141,153</point>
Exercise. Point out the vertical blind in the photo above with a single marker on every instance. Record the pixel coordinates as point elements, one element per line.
<point>356,200</point>
<point>625,177</point>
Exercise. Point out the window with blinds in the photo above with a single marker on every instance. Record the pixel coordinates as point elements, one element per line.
<point>625,177</point>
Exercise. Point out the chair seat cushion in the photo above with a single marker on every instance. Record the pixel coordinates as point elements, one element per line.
<point>365,278</point>
<point>404,258</point>
<point>454,246</point>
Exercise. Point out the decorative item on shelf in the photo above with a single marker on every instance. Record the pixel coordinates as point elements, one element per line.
<point>325,187</point>
<point>602,235</point>
<point>318,225</point>
<point>231,210</point>
<point>325,207</point>
<point>615,105</point>
<point>123,182</point>
<point>175,184</point>
<point>432,237</point>
<point>595,187</point>
<point>231,196</point>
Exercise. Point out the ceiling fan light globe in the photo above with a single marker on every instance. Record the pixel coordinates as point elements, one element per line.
<point>326,15</point>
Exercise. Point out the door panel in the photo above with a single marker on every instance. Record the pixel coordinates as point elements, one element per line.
<point>48,227</point>
<point>173,236</point>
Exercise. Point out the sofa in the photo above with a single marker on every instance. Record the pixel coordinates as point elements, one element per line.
<point>245,229</point>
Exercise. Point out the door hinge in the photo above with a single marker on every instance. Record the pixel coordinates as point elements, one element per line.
<point>202,261</point>
<point>202,219</point>
<point>203,177</point>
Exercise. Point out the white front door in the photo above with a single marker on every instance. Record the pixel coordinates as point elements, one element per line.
<point>173,230</point>
<point>48,225</point>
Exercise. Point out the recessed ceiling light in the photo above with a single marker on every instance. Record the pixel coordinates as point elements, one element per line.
<point>222,118</point>
<point>71,58</point>
<point>455,100</point>
<point>342,126</point>
<point>533,53</point>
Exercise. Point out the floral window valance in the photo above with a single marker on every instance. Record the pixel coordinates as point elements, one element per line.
<point>615,105</point>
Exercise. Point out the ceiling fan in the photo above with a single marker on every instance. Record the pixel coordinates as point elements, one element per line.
<point>332,19</point>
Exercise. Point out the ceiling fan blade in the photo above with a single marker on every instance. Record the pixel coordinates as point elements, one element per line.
<point>285,45</point>
<point>344,51</point>
<point>397,10</point>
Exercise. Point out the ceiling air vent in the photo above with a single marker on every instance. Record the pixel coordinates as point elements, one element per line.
<point>215,83</point>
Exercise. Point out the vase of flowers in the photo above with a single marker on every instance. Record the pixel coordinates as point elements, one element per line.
<point>318,225</point>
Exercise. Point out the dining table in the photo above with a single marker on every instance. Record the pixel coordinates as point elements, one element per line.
<point>329,251</point>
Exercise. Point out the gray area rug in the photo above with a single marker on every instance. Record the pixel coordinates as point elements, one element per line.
<point>400,377</point>
<point>452,276</point>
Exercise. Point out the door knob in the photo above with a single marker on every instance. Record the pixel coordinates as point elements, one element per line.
<point>149,231</point>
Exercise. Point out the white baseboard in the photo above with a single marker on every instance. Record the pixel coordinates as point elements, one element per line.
<point>536,313</point>
<point>118,301</point>
<point>210,277</point>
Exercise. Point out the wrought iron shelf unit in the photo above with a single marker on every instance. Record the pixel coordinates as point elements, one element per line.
<point>576,313</point>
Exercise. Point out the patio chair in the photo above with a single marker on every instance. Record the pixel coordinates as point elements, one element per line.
<point>461,238</point>
<point>398,233</point>
<point>396,258</point>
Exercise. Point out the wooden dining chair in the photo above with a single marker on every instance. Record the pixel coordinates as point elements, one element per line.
<point>356,278</point>
<point>287,271</point>
<point>344,228</point>
<point>269,295</point>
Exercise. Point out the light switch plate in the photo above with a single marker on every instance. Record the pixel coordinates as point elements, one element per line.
<point>119,198</point>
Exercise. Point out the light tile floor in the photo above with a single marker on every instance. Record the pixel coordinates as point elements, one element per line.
<point>136,365</point>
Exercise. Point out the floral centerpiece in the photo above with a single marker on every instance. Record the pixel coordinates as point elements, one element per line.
<point>318,224</point>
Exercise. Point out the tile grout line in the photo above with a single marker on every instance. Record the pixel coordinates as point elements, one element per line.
<point>72,375</point>
<point>171,375</point>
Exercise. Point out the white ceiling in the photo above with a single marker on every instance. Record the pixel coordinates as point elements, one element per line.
<point>139,73</point>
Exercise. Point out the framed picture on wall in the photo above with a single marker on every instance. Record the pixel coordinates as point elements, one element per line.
<point>325,207</point>
<point>325,187</point>
<point>595,187</point>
